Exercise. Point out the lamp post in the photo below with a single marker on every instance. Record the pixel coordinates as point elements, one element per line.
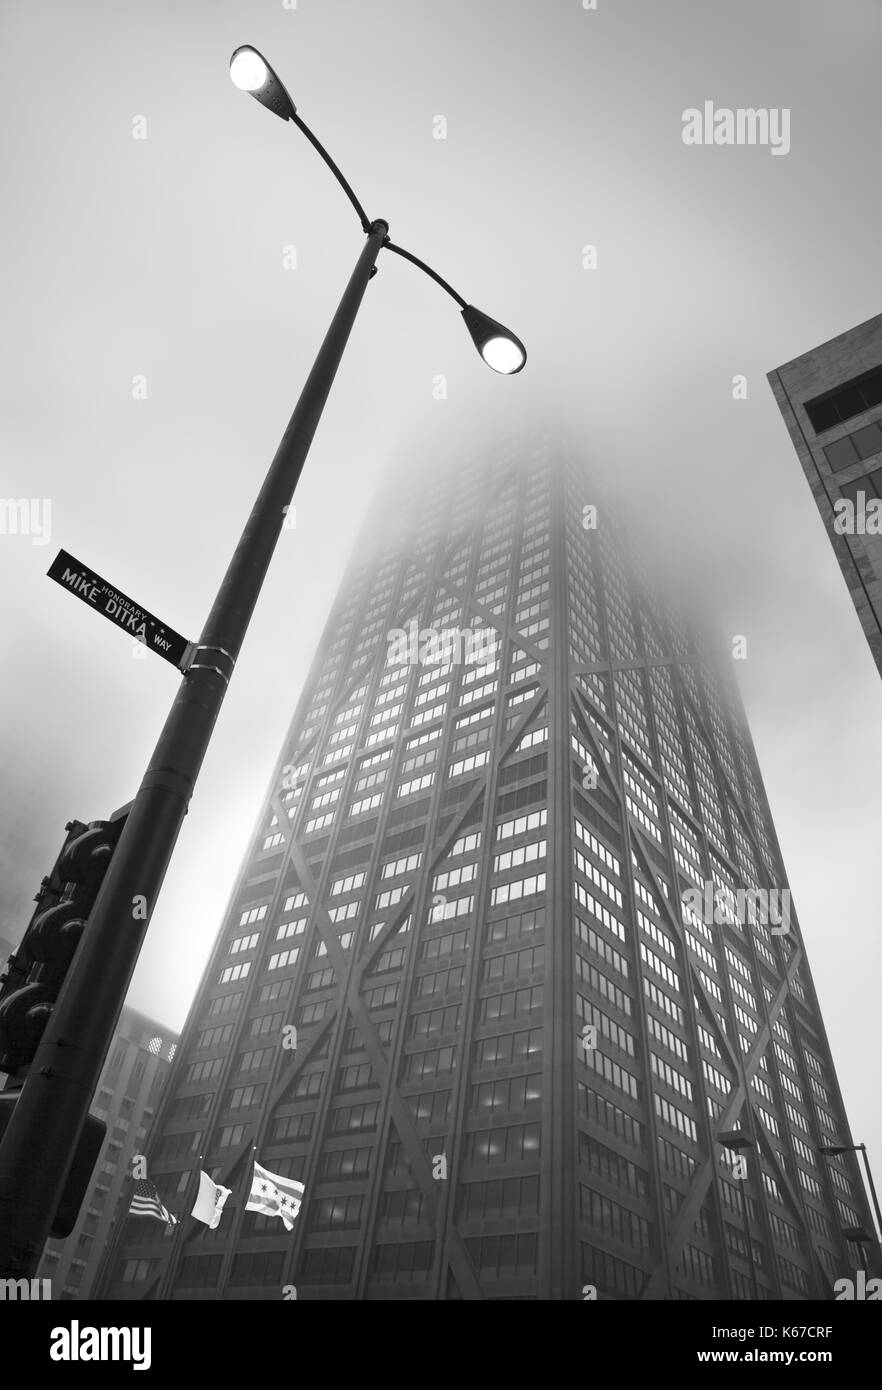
<point>735,1141</point>
<point>49,1114</point>
<point>856,1235</point>
<point>833,1150</point>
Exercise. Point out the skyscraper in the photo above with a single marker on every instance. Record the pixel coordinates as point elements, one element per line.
<point>831,401</point>
<point>510,945</point>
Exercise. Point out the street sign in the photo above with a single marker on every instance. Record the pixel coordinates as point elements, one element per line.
<point>98,594</point>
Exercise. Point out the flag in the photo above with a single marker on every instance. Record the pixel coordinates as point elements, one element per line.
<point>274,1195</point>
<point>146,1201</point>
<point>210,1201</point>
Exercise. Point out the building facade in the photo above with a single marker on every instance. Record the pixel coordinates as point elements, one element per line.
<point>831,401</point>
<point>134,1074</point>
<point>486,984</point>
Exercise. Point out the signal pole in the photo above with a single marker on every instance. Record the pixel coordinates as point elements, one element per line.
<point>45,1127</point>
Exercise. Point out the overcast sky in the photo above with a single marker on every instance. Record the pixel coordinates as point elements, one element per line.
<point>163,258</point>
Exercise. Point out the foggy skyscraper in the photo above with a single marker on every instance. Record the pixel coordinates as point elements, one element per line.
<point>511,943</point>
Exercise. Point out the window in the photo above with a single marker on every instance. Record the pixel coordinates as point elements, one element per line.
<point>234,972</point>
<point>520,824</point>
<point>612,1166</point>
<point>279,989</point>
<point>511,1197</point>
<point>355,1078</point>
<point>308,1084</point>
<point>514,1093</point>
<point>504,1257</point>
<point>253,1061</point>
<point>347,884</point>
<point>335,1214</point>
<point>292,1127</point>
<point>614,1220</point>
<point>513,1004</point>
<point>526,962</point>
<point>410,1261</point>
<point>346,1163</point>
<point>205,1071</point>
<point>403,1207</point>
<point>243,1097</point>
<point>607,1273</point>
<point>520,888</point>
<point>351,1119</point>
<point>257,1267</point>
<point>279,959</point>
<point>513,1144</point>
<point>432,1063</point>
<point>524,854</point>
<point>435,1021</point>
<point>870,485</point>
<point>254,914</point>
<point>215,1037</point>
<point>845,401</point>
<point>432,1107</point>
<point>230,1134</point>
<point>243,943</point>
<point>327,1266</point>
<point>509,1047</point>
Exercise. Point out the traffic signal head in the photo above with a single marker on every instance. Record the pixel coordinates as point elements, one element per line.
<point>36,970</point>
<point>80,1172</point>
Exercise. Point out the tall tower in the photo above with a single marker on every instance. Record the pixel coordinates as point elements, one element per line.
<point>459,993</point>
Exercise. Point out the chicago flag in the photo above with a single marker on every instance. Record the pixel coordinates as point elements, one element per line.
<point>274,1195</point>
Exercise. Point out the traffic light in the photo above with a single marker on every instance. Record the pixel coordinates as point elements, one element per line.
<point>79,1174</point>
<point>36,970</point>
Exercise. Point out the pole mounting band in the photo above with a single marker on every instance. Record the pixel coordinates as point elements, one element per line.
<point>209,666</point>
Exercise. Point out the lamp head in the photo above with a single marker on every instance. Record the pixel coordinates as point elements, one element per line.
<point>498,346</point>
<point>857,1235</point>
<point>734,1140</point>
<point>250,72</point>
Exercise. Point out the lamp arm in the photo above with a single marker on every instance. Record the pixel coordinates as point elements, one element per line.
<point>316,143</point>
<point>399,251</point>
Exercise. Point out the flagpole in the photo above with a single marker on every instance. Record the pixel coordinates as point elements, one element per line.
<point>243,1194</point>
<point>178,1237</point>
<point>115,1234</point>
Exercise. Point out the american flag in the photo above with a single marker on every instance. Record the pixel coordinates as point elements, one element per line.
<point>146,1201</point>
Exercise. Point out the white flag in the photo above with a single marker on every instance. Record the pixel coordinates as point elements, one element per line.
<point>210,1201</point>
<point>274,1195</point>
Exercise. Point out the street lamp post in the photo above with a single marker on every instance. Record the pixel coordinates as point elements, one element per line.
<point>833,1150</point>
<point>735,1141</point>
<point>50,1112</point>
<point>856,1235</point>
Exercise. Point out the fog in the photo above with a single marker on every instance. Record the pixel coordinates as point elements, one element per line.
<point>164,259</point>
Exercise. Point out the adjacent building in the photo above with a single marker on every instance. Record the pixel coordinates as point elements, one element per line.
<point>134,1074</point>
<point>509,978</point>
<point>831,401</point>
